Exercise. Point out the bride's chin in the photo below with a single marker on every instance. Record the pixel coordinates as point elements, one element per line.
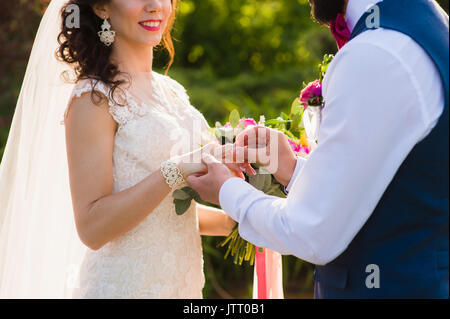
<point>152,41</point>
<point>144,41</point>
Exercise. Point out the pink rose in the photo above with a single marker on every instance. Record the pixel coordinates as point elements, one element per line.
<point>312,91</point>
<point>304,151</point>
<point>247,122</point>
<point>299,149</point>
<point>295,147</point>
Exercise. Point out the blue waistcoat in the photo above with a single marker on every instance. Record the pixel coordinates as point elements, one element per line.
<point>402,250</point>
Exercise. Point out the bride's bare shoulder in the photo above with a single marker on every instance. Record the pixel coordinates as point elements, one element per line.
<point>86,108</point>
<point>87,86</point>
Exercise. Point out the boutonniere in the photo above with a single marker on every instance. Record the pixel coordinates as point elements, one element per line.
<point>311,95</point>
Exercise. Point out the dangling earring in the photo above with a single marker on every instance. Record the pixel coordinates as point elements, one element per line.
<point>106,35</point>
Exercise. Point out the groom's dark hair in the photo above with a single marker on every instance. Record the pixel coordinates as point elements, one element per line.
<point>323,11</point>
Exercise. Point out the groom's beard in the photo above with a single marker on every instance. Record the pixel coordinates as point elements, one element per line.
<point>325,11</point>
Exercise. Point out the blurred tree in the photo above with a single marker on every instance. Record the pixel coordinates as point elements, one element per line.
<point>231,36</point>
<point>261,36</point>
<point>18,22</point>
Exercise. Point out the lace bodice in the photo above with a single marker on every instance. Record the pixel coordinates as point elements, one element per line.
<point>162,256</point>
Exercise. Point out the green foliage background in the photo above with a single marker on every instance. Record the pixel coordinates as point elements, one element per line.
<point>252,55</point>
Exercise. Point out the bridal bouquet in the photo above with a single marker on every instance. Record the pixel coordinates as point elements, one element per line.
<point>296,126</point>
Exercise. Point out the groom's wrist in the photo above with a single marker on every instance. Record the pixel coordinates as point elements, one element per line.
<point>287,171</point>
<point>299,164</point>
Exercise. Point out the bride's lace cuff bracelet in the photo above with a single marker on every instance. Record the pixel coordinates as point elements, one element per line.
<point>172,174</point>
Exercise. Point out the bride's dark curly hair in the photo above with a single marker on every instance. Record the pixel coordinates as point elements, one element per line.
<point>90,58</point>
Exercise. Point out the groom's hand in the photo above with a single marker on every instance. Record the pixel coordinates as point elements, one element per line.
<point>270,148</point>
<point>208,185</point>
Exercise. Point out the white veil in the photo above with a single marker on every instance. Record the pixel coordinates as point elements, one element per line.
<point>40,251</point>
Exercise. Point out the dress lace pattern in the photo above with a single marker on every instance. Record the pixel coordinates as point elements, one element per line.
<point>162,256</point>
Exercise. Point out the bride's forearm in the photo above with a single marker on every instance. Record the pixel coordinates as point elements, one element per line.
<point>213,221</point>
<point>115,214</point>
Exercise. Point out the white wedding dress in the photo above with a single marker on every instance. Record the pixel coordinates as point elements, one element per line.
<point>162,256</point>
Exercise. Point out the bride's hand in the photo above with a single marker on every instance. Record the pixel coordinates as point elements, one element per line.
<point>191,163</point>
<point>227,155</point>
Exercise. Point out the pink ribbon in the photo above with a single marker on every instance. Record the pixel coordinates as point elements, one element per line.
<point>261,273</point>
<point>340,30</point>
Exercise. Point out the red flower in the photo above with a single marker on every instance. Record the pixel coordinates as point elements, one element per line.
<point>311,95</point>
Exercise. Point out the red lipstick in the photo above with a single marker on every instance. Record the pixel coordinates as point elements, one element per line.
<point>151,25</point>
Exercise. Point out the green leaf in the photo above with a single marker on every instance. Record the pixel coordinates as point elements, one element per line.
<point>229,237</point>
<point>181,206</point>
<point>181,195</point>
<point>227,252</point>
<point>234,118</point>
<point>235,244</point>
<point>296,107</point>
<point>323,67</point>
<point>242,252</point>
<point>226,241</point>
<point>275,122</point>
<point>296,121</point>
<point>194,195</point>
<point>289,134</point>
<point>238,251</point>
<point>252,257</point>
<point>284,116</point>
<point>248,251</point>
<point>190,191</point>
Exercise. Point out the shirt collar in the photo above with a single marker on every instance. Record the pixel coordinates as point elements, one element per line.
<point>355,10</point>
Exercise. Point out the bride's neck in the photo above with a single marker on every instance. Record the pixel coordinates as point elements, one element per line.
<point>132,59</point>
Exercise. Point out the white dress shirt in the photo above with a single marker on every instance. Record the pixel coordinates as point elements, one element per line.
<point>383,95</point>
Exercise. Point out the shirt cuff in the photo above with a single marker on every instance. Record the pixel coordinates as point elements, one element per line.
<point>300,162</point>
<point>231,195</point>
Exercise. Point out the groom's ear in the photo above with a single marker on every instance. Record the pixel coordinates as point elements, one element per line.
<point>101,10</point>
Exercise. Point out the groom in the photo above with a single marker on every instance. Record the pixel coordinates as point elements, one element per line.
<point>370,205</point>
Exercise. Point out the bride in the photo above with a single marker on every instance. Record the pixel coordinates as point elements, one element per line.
<point>88,212</point>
